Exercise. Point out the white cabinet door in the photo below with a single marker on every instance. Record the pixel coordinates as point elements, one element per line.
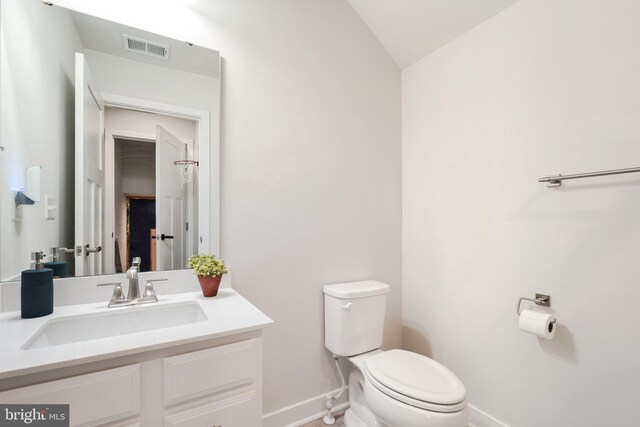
<point>237,411</point>
<point>93,399</point>
<point>201,373</point>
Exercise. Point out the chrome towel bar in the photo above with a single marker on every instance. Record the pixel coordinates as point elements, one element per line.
<point>556,180</point>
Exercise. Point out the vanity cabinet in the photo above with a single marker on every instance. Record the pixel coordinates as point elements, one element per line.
<point>216,385</point>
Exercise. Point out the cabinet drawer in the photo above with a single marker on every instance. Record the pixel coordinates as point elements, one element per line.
<point>197,374</point>
<point>124,424</point>
<point>93,399</point>
<point>238,411</point>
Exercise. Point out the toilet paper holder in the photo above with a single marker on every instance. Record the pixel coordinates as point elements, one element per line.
<point>540,299</point>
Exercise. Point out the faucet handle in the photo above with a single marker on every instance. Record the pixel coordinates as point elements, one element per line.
<point>117,295</point>
<point>148,289</point>
<point>108,284</point>
<point>136,262</point>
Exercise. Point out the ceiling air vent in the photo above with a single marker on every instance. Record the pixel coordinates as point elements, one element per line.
<point>135,44</point>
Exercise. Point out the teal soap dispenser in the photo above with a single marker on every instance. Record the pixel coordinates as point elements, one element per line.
<point>36,290</point>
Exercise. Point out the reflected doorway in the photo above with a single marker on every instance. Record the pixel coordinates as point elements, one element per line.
<point>134,181</point>
<point>142,148</point>
<point>141,231</point>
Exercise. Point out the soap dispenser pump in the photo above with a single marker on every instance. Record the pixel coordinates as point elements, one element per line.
<point>36,290</point>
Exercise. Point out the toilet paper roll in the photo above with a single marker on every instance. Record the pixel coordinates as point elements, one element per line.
<point>538,323</point>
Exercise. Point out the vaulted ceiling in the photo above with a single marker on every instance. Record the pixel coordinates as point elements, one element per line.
<point>411,29</point>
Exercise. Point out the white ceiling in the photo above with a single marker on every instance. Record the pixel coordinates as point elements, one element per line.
<point>411,29</point>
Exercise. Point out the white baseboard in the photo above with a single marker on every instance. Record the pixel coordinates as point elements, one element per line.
<point>306,411</point>
<point>312,409</point>
<point>479,418</point>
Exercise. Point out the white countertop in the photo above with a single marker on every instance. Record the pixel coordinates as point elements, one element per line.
<point>227,314</point>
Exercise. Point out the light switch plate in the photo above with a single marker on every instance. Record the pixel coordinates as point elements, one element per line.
<point>50,207</point>
<point>17,217</point>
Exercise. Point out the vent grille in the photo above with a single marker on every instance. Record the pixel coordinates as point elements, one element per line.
<point>133,44</point>
<point>145,47</point>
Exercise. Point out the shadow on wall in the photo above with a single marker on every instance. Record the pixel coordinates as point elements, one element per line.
<point>562,345</point>
<point>415,339</point>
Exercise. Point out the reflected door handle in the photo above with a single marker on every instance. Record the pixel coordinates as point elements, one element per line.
<point>88,250</point>
<point>164,236</point>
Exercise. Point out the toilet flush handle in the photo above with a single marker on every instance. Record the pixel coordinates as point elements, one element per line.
<point>347,306</point>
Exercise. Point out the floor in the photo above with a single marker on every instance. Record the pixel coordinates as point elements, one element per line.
<point>339,416</point>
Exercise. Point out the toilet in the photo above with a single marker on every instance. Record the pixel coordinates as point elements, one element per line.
<point>394,388</point>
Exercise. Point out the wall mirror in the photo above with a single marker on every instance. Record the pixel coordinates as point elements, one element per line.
<point>109,141</point>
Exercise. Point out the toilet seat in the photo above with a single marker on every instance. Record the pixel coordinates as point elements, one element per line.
<point>416,380</point>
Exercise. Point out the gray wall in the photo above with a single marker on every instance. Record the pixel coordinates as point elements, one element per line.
<point>545,87</point>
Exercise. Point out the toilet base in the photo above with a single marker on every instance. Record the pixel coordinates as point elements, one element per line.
<point>352,420</point>
<point>359,414</point>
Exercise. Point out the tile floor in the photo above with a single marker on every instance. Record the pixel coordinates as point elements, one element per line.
<point>339,416</point>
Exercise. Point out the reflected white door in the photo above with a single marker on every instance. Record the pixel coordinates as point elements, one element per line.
<point>89,177</point>
<point>170,202</point>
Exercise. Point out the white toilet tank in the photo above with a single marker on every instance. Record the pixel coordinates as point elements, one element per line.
<point>354,316</point>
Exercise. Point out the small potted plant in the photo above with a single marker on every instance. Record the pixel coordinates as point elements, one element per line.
<point>209,270</point>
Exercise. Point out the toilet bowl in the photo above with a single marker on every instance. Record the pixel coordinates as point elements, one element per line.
<point>394,388</point>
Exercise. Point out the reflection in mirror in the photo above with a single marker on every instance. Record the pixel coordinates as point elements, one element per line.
<point>102,112</point>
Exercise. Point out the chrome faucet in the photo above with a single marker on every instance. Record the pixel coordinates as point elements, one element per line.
<point>133,297</point>
<point>132,275</point>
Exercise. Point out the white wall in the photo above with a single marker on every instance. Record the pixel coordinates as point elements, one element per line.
<point>310,165</point>
<point>37,106</point>
<point>546,87</point>
<point>310,174</point>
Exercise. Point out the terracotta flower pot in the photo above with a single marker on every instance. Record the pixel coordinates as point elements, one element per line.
<point>209,285</point>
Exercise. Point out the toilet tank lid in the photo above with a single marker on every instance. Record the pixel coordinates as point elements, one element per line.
<point>365,288</point>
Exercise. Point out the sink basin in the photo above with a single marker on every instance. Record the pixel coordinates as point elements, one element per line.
<point>115,322</point>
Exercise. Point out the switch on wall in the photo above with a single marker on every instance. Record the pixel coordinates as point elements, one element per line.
<point>50,207</point>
